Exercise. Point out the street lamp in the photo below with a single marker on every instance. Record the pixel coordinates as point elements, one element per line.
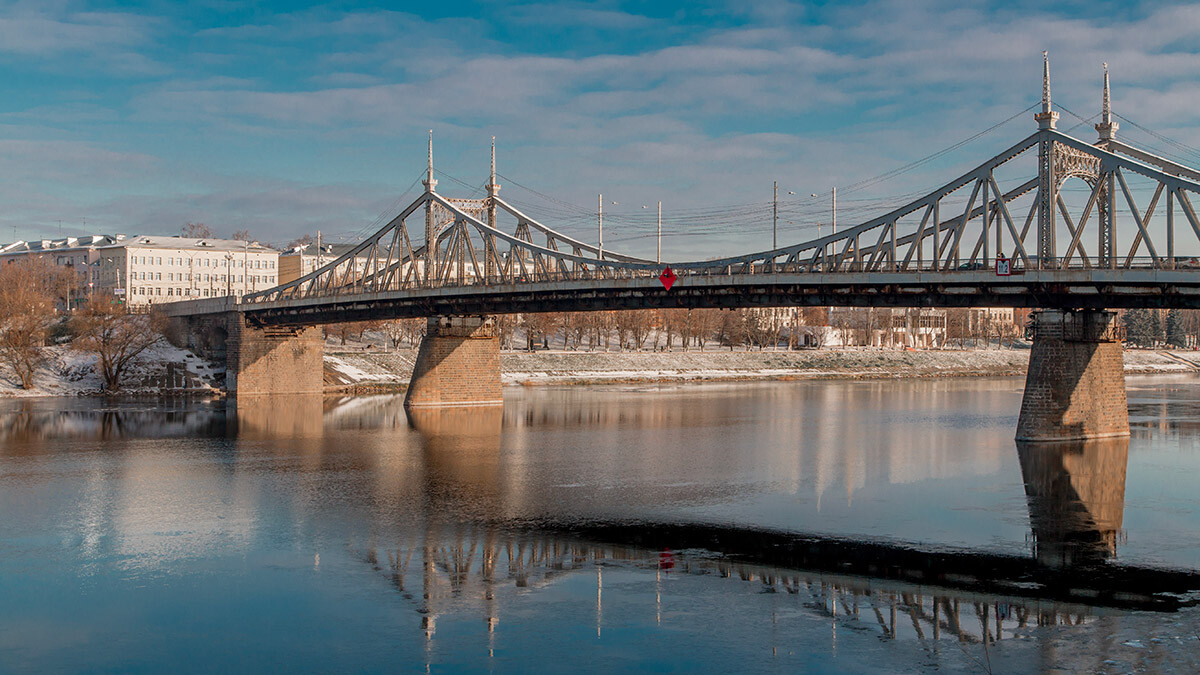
<point>834,205</point>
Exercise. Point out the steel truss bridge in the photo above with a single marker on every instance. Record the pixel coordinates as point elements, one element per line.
<point>1121,248</point>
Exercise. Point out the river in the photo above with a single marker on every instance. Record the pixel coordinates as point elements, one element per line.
<point>832,526</point>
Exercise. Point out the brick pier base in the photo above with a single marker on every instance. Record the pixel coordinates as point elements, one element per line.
<point>1075,386</point>
<point>258,360</point>
<point>458,364</point>
<point>274,360</point>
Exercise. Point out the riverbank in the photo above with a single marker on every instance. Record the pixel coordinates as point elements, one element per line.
<point>165,369</point>
<point>377,371</point>
<point>161,369</point>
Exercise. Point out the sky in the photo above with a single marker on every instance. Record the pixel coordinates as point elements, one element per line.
<point>286,118</point>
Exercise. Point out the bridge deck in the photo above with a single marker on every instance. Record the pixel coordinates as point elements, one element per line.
<point>1065,289</point>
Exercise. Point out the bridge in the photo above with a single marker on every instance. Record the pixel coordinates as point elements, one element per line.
<point>970,242</point>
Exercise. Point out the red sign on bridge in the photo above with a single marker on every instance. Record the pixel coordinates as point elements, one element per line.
<point>667,278</point>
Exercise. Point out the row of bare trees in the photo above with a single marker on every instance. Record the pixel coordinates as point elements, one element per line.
<point>33,293</point>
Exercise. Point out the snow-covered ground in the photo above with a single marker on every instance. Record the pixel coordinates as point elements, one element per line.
<point>354,367</point>
<point>347,368</point>
<point>160,368</point>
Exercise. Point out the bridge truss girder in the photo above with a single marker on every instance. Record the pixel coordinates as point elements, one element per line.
<point>933,235</point>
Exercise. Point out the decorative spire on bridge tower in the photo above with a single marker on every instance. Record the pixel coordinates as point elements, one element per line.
<point>1047,185</point>
<point>429,270</point>
<point>493,188</point>
<point>1047,117</point>
<point>430,182</point>
<point>1107,128</point>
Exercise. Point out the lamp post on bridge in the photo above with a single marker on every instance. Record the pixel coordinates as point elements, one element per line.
<point>775,214</point>
<point>600,226</point>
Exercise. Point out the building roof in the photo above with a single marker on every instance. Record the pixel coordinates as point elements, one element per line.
<point>61,244</point>
<point>110,241</point>
<point>166,242</point>
<point>327,250</point>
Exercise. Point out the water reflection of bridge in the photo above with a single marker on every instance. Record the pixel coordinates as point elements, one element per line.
<point>469,570</point>
<point>461,470</point>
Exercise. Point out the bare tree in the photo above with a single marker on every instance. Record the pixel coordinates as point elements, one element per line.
<point>27,295</point>
<point>633,327</point>
<point>395,332</point>
<point>116,337</point>
<point>705,324</point>
<point>541,326</point>
<point>241,235</point>
<point>303,240</point>
<point>197,231</point>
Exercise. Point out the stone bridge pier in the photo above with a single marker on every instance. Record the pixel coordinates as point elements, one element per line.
<point>458,364</point>
<point>1075,385</point>
<point>258,360</point>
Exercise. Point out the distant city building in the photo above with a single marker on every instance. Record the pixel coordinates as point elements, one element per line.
<point>152,269</point>
<point>990,321</point>
<point>916,327</point>
<point>149,269</point>
<point>305,259</point>
<point>81,254</point>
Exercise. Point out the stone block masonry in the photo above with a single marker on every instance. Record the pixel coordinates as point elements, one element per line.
<point>1075,385</point>
<point>258,360</point>
<point>458,364</point>
<point>274,360</point>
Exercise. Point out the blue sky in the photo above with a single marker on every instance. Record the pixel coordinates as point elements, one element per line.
<point>284,118</point>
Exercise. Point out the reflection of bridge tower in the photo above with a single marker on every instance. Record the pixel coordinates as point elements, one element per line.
<point>1076,495</point>
<point>461,449</point>
<point>275,415</point>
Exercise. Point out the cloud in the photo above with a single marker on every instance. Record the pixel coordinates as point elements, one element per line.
<point>577,14</point>
<point>705,106</point>
<point>39,34</point>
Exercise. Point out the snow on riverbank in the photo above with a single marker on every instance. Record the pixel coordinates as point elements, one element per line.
<point>160,368</point>
<point>349,369</point>
<point>166,368</point>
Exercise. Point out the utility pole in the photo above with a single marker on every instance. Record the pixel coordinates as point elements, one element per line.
<point>246,266</point>
<point>658,257</point>
<point>774,214</point>
<point>834,224</point>
<point>600,225</point>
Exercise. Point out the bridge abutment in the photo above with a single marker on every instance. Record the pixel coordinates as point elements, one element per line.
<point>458,364</point>
<point>1075,385</point>
<point>258,360</point>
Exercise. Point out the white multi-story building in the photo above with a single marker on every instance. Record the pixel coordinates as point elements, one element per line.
<point>305,259</point>
<point>153,269</point>
<point>80,254</point>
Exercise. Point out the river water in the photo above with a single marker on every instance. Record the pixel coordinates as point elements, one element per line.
<point>840,526</point>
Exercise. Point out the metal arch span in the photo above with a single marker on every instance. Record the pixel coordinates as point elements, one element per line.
<point>938,249</point>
